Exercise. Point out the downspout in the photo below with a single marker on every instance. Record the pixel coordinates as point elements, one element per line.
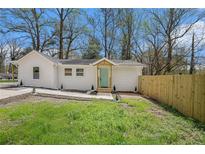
<point>57,78</point>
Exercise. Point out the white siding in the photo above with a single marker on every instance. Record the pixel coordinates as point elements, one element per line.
<point>78,82</point>
<point>47,71</point>
<point>125,78</point>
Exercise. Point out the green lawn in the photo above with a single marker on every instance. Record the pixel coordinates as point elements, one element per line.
<point>96,122</point>
<point>3,81</point>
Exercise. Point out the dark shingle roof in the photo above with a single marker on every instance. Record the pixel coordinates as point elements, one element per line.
<point>76,61</point>
<point>90,61</point>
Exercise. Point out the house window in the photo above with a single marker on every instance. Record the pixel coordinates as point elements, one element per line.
<point>79,72</point>
<point>35,72</point>
<point>68,71</point>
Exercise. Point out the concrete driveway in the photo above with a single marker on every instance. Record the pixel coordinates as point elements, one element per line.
<point>13,92</point>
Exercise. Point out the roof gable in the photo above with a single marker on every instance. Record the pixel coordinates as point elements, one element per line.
<point>104,59</point>
<point>50,59</point>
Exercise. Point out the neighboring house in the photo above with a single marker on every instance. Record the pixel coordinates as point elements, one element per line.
<point>7,76</point>
<point>39,70</point>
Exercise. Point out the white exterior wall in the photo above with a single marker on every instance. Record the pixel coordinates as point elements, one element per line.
<point>47,71</point>
<point>78,82</point>
<point>125,78</point>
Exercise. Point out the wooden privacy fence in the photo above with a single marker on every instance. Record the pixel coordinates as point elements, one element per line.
<point>186,93</point>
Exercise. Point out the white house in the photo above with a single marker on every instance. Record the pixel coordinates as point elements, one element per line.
<point>39,70</point>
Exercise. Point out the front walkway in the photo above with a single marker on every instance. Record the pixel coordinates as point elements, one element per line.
<point>129,95</point>
<point>74,95</point>
<point>7,93</point>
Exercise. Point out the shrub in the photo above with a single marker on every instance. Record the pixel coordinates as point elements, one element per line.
<point>92,87</point>
<point>135,89</point>
<point>21,83</point>
<point>114,88</point>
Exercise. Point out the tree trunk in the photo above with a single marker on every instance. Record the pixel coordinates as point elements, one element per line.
<point>37,48</point>
<point>68,49</point>
<point>33,41</point>
<point>156,62</point>
<point>191,71</point>
<point>109,55</point>
<point>129,31</point>
<point>169,57</point>
<point>61,35</point>
<point>105,33</point>
<point>128,56</point>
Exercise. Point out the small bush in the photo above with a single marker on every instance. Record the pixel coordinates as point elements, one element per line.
<point>21,83</point>
<point>92,88</point>
<point>114,88</point>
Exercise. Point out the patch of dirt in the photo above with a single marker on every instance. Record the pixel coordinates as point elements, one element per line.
<point>30,98</point>
<point>155,108</point>
<point>158,112</point>
<point>124,105</point>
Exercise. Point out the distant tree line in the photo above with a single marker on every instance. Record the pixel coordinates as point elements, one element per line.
<point>167,40</point>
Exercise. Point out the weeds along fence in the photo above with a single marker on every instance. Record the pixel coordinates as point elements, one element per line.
<point>186,93</point>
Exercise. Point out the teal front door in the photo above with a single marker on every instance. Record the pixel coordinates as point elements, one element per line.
<point>103,77</point>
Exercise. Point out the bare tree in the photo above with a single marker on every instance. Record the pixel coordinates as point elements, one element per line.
<point>75,32</point>
<point>62,15</point>
<point>156,44</point>
<point>108,27</point>
<point>3,53</point>
<point>30,24</point>
<point>126,25</point>
<point>189,49</point>
<point>170,22</point>
<point>14,49</point>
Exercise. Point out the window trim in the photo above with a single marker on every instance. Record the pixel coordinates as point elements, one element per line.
<point>77,73</point>
<point>34,76</point>
<point>71,73</point>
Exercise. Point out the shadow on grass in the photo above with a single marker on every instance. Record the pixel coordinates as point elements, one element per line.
<point>196,123</point>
